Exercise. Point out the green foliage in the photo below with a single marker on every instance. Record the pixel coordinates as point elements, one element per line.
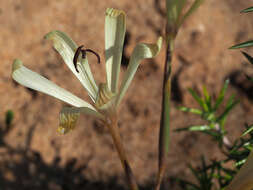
<point>9,116</point>
<point>216,175</point>
<point>208,111</point>
<point>250,9</point>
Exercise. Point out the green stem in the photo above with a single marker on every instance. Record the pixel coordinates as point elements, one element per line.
<point>165,114</point>
<point>114,131</point>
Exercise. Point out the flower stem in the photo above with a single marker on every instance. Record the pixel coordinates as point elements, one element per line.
<point>164,137</point>
<point>114,130</point>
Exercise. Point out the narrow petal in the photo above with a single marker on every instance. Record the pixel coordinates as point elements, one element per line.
<point>141,51</point>
<point>115,28</point>
<point>244,178</point>
<point>69,117</point>
<point>174,9</point>
<point>66,47</point>
<point>37,82</point>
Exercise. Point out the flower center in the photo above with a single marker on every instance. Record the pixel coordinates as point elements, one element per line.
<point>105,98</point>
<point>82,51</point>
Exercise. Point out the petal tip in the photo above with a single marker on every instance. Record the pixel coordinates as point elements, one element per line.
<point>114,12</point>
<point>51,34</point>
<point>16,64</point>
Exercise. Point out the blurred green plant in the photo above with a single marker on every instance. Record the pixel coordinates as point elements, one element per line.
<point>215,122</point>
<point>9,116</point>
<point>216,175</point>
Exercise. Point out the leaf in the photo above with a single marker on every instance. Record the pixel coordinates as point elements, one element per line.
<point>230,105</point>
<point>250,129</point>
<point>250,59</point>
<point>249,78</point>
<point>192,9</point>
<point>191,110</point>
<point>9,115</point>
<point>198,99</point>
<point>195,128</point>
<point>207,98</point>
<point>221,95</point>
<point>243,45</point>
<point>247,10</point>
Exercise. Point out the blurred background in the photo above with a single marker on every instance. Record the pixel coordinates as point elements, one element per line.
<point>34,156</point>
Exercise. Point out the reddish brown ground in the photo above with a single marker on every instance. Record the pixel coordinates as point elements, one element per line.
<point>34,156</point>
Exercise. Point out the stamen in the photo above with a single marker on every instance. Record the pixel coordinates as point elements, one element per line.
<point>77,53</point>
<point>96,54</point>
<point>83,52</point>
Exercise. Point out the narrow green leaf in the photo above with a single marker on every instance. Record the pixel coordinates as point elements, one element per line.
<point>191,110</point>
<point>9,116</point>
<point>249,78</point>
<point>195,128</point>
<point>221,95</point>
<point>241,162</point>
<point>243,45</point>
<point>247,10</point>
<point>230,105</point>
<point>250,59</point>
<point>198,99</point>
<point>248,130</point>
<point>207,98</point>
<point>192,9</point>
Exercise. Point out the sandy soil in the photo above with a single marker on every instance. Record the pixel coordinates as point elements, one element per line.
<point>34,156</point>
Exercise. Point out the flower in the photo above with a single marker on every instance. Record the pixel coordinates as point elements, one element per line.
<point>106,96</point>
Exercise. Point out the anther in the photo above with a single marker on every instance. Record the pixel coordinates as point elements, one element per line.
<point>77,53</point>
<point>96,54</point>
<point>83,52</point>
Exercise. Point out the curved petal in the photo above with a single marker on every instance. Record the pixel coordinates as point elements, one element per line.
<point>66,47</point>
<point>244,178</point>
<point>115,28</point>
<point>141,51</point>
<point>69,117</point>
<point>37,82</point>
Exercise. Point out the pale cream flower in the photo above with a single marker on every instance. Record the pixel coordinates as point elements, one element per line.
<point>105,97</point>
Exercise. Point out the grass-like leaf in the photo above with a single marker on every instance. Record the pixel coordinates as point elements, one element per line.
<point>250,129</point>
<point>190,110</point>
<point>243,45</point>
<point>9,115</point>
<point>247,10</point>
<point>249,58</point>
<point>195,128</point>
<point>221,95</point>
<point>198,99</point>
<point>207,98</point>
<point>231,103</point>
<point>192,9</point>
<point>249,78</point>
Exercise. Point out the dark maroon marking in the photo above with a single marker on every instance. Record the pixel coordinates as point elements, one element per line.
<point>79,51</point>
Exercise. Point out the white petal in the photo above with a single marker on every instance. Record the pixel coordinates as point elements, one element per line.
<point>86,75</point>
<point>141,51</point>
<point>66,47</point>
<point>244,178</point>
<point>37,82</point>
<point>69,117</point>
<point>115,28</point>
